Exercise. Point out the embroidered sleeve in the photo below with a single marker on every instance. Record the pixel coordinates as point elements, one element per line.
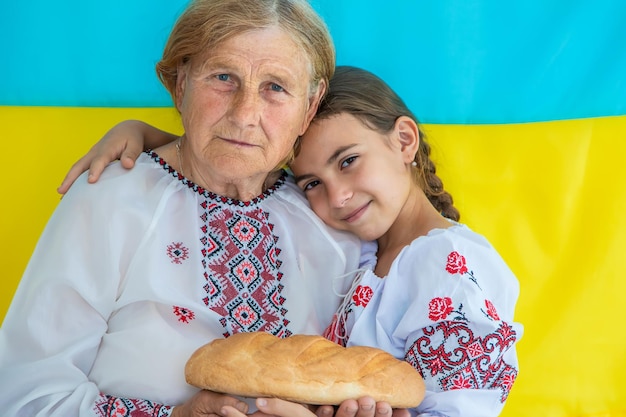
<point>460,341</point>
<point>110,406</point>
<point>454,356</point>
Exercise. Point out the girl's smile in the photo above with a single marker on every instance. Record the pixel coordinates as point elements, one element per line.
<point>356,214</point>
<point>355,178</point>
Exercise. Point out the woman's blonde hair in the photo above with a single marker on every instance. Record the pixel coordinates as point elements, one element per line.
<point>207,23</point>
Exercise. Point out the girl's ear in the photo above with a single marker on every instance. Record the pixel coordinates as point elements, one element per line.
<point>408,136</point>
<point>314,102</point>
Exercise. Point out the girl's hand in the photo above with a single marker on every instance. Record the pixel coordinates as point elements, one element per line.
<point>209,404</point>
<point>125,141</point>
<point>363,407</point>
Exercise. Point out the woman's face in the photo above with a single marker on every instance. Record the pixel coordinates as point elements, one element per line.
<point>355,178</point>
<point>244,103</point>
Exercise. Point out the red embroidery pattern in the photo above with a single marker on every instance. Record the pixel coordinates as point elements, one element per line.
<point>177,252</point>
<point>242,270</point>
<point>451,354</point>
<point>336,332</point>
<point>456,264</point>
<point>491,310</point>
<point>362,295</point>
<point>184,315</point>
<point>109,406</point>
<point>439,308</point>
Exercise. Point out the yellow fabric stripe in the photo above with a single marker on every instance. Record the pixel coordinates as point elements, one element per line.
<point>549,196</point>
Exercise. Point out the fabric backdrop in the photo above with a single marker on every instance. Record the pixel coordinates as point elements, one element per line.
<point>523,102</point>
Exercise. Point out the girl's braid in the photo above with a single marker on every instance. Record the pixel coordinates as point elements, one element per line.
<point>432,184</point>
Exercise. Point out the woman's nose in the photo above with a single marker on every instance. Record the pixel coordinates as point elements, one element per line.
<point>246,108</point>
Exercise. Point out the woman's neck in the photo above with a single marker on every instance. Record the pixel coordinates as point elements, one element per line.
<point>230,186</point>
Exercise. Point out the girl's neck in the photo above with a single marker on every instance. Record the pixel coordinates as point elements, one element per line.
<point>418,218</point>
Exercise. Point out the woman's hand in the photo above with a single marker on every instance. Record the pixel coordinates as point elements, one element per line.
<point>125,141</point>
<point>209,404</point>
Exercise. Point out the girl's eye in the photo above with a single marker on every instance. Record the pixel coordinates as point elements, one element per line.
<point>310,185</point>
<point>348,161</point>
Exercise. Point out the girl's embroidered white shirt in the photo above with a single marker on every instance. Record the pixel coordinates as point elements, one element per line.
<point>447,308</point>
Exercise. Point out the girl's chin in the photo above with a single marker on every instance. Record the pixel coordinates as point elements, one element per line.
<point>367,235</point>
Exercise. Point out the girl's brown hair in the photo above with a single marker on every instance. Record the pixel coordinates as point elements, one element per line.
<point>367,97</point>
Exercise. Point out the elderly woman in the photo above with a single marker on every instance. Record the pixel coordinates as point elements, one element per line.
<point>205,238</point>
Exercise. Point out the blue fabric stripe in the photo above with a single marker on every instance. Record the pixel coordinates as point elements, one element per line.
<point>461,61</point>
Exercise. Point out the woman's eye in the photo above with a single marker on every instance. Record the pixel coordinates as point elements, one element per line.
<point>349,160</point>
<point>276,88</point>
<point>223,77</point>
<point>310,185</point>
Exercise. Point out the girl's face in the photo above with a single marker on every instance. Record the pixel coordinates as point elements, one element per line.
<point>355,178</point>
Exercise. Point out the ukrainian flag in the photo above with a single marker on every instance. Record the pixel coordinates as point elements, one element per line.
<point>524,103</point>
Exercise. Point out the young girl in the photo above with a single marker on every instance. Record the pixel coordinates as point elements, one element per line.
<point>432,292</point>
<point>437,294</point>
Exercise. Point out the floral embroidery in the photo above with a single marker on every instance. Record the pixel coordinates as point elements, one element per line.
<point>456,264</point>
<point>439,308</point>
<point>184,315</point>
<point>177,252</point>
<point>491,310</point>
<point>362,295</point>
<point>109,406</point>
<point>451,354</point>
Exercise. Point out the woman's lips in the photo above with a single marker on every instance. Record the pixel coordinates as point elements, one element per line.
<point>236,142</point>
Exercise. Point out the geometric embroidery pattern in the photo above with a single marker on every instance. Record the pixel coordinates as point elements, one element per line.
<point>177,252</point>
<point>240,260</point>
<point>109,406</point>
<point>184,315</point>
<point>455,358</point>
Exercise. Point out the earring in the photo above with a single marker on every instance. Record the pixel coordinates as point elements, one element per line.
<point>413,164</point>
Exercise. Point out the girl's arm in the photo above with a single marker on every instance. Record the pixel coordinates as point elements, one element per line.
<point>458,329</point>
<point>125,141</point>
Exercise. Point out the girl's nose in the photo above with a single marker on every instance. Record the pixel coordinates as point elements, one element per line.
<point>339,195</point>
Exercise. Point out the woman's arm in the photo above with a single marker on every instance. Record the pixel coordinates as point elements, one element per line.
<point>53,330</point>
<point>125,141</point>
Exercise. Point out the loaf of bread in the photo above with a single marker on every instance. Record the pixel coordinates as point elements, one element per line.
<point>304,369</point>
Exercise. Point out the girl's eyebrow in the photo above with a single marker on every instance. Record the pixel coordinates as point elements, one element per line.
<point>338,152</point>
<point>331,159</point>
